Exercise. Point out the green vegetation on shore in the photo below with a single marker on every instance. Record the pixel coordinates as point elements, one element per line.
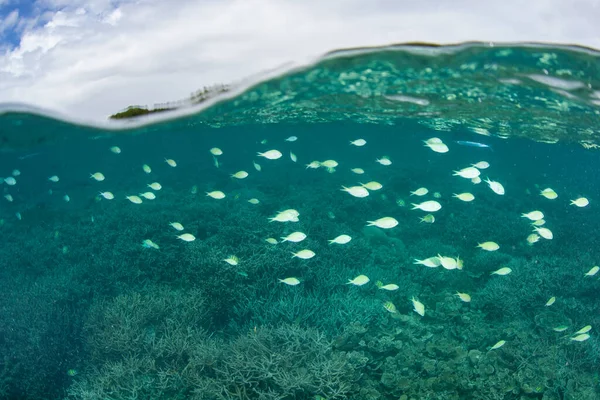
<point>196,97</point>
<point>136,111</point>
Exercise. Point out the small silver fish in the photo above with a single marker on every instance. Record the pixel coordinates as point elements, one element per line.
<point>408,99</point>
<point>26,156</point>
<point>473,144</point>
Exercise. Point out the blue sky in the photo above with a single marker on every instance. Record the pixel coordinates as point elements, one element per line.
<point>20,16</point>
<point>9,16</point>
<point>92,57</point>
<point>11,13</point>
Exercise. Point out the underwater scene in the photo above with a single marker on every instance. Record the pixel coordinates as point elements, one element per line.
<point>410,222</point>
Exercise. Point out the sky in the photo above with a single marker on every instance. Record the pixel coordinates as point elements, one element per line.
<point>91,58</point>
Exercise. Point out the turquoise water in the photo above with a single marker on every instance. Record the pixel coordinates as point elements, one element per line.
<point>89,312</point>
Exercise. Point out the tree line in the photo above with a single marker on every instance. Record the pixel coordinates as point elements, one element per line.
<point>196,97</point>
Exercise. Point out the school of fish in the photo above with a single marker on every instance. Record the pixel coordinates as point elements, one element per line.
<point>359,190</point>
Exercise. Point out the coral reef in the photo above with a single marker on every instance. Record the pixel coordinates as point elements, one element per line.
<point>153,345</point>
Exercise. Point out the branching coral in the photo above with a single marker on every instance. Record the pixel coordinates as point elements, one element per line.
<point>282,362</point>
<point>153,345</point>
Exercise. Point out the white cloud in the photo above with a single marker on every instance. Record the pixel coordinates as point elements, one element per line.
<point>93,58</point>
<point>113,17</point>
<point>9,21</point>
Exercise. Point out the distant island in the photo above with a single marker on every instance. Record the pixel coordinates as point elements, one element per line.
<point>196,97</point>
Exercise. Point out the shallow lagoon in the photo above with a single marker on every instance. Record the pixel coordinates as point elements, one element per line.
<point>88,312</point>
